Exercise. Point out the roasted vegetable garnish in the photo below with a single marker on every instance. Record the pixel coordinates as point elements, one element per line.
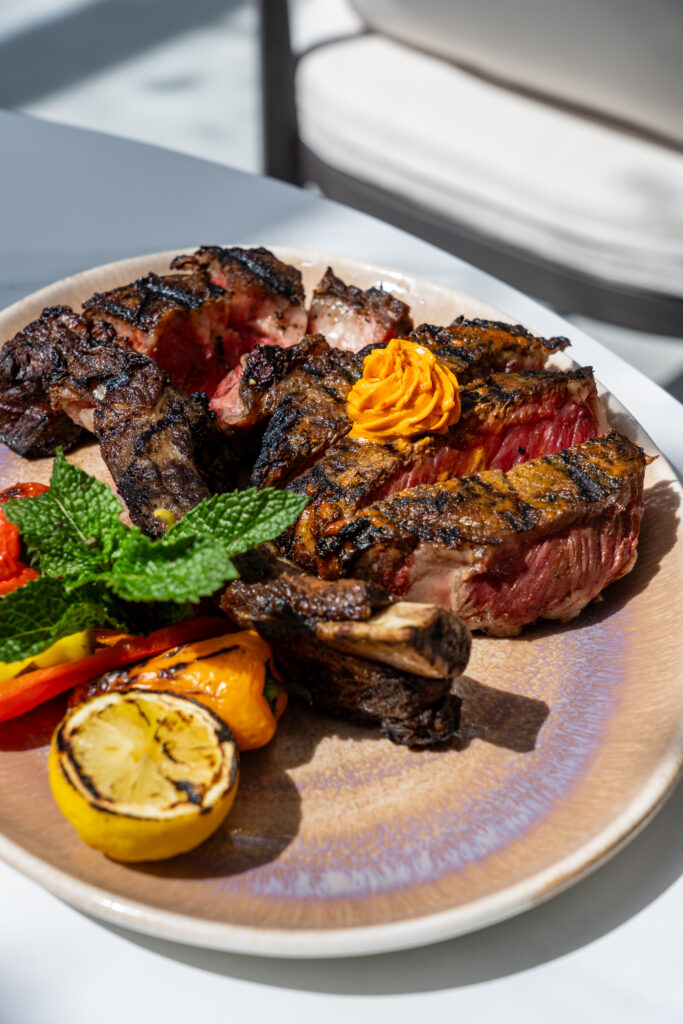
<point>233,675</point>
<point>143,776</point>
<point>95,571</point>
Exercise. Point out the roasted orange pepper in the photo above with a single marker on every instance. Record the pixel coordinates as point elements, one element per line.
<point>232,675</point>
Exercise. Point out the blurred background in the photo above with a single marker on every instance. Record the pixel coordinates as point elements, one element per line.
<point>543,141</point>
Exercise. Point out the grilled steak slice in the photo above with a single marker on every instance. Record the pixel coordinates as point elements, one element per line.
<point>198,324</point>
<point>292,611</point>
<point>161,447</point>
<point>507,419</point>
<point>472,348</point>
<point>351,318</point>
<point>305,389</point>
<point>266,295</point>
<point>181,320</point>
<point>311,370</point>
<point>504,549</point>
<point>28,423</point>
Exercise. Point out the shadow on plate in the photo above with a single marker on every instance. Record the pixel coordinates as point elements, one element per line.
<point>589,910</point>
<point>499,717</point>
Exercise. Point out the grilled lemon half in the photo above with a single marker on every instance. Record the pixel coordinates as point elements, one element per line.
<point>143,775</point>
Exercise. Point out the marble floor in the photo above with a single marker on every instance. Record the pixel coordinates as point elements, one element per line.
<point>183,74</point>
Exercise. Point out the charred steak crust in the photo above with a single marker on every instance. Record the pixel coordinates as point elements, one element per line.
<point>198,323</point>
<point>409,709</point>
<point>146,301</point>
<point>152,437</point>
<point>539,541</point>
<point>28,423</point>
<point>280,278</point>
<point>300,601</point>
<point>473,348</point>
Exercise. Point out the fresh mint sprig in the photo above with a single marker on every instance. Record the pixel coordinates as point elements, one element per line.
<point>35,616</point>
<point>95,570</point>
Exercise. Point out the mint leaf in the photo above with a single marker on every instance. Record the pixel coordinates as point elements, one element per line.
<point>241,520</point>
<point>35,616</point>
<point>74,528</point>
<point>175,569</point>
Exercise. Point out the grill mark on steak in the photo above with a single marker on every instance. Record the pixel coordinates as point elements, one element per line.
<point>28,423</point>
<point>225,265</point>
<point>503,549</point>
<point>182,320</point>
<point>161,447</point>
<point>296,400</point>
<point>351,318</point>
<point>506,419</point>
<point>512,347</point>
<point>197,324</point>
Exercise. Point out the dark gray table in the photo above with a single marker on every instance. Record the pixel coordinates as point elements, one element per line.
<point>606,949</point>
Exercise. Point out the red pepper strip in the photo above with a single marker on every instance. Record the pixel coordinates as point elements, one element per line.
<point>25,692</point>
<point>13,573</point>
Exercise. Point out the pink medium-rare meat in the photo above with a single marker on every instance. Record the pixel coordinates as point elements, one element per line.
<point>506,419</point>
<point>197,328</point>
<point>504,549</point>
<point>351,318</point>
<point>266,295</point>
<point>180,320</point>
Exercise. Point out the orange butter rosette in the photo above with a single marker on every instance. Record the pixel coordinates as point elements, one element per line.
<point>404,391</point>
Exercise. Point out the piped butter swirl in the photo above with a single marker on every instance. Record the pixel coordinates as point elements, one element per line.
<point>404,391</point>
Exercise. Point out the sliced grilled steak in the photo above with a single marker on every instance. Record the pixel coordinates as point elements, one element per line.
<point>199,323</point>
<point>28,423</point>
<point>507,419</point>
<point>266,295</point>
<point>181,320</point>
<point>291,613</point>
<point>351,318</point>
<point>504,549</point>
<point>162,447</point>
<point>306,387</point>
<point>486,345</point>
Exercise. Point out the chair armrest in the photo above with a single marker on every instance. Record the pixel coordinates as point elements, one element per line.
<point>278,121</point>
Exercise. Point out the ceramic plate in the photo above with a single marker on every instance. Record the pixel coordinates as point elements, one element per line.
<point>341,843</point>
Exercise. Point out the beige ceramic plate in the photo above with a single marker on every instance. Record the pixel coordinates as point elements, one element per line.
<point>341,843</point>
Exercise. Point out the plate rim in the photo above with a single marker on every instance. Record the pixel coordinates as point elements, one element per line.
<point>354,940</point>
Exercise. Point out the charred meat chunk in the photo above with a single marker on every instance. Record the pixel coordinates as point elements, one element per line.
<point>181,320</point>
<point>161,447</point>
<point>266,296</point>
<point>353,654</point>
<point>486,345</point>
<point>29,425</point>
<point>197,324</point>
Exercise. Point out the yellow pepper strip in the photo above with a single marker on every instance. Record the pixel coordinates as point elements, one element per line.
<point>404,391</point>
<point>69,648</point>
<point>232,675</point>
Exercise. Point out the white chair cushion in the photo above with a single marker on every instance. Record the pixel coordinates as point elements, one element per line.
<point>621,58</point>
<point>562,186</point>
